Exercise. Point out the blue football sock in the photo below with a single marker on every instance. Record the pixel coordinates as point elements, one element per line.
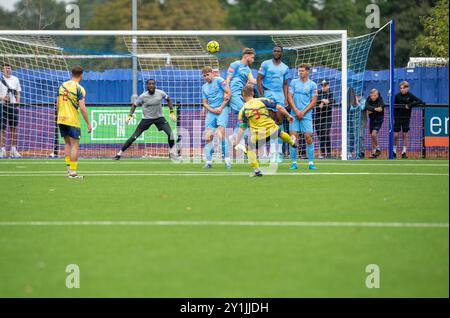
<point>310,152</point>
<point>293,152</point>
<point>209,151</point>
<point>225,148</point>
<point>280,146</point>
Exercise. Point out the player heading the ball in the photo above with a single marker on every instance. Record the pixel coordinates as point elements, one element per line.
<point>255,115</point>
<point>151,102</point>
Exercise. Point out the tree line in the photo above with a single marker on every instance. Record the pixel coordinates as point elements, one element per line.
<point>421,25</point>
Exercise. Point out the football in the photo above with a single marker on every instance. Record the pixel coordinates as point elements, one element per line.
<point>213,47</point>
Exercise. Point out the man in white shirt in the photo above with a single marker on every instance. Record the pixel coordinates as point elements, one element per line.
<point>9,109</point>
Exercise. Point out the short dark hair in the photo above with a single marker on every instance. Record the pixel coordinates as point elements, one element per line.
<point>6,65</point>
<point>77,70</point>
<point>150,80</point>
<point>278,46</point>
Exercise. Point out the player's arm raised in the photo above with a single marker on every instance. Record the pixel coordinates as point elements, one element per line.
<point>84,113</point>
<point>259,80</point>
<point>251,79</point>
<point>230,74</point>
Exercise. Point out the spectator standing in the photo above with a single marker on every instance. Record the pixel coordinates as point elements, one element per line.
<point>9,103</point>
<point>404,102</point>
<point>375,106</point>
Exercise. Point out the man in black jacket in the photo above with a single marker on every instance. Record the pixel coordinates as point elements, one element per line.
<point>375,108</point>
<point>322,118</point>
<point>404,102</point>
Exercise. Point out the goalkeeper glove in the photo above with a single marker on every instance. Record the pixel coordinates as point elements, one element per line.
<point>173,116</point>
<point>129,118</point>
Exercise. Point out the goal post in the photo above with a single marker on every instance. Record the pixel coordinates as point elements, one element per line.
<point>175,58</point>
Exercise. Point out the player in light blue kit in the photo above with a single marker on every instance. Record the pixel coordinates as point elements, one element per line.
<point>272,84</point>
<point>215,96</point>
<point>302,97</point>
<point>238,75</point>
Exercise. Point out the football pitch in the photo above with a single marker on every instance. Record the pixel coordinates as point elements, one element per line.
<point>153,228</point>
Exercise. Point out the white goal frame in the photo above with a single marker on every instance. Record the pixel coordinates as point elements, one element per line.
<point>342,33</point>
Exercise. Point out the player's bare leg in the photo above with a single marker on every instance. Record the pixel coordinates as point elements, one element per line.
<point>209,136</point>
<point>74,143</point>
<point>224,145</point>
<point>67,151</point>
<point>375,148</point>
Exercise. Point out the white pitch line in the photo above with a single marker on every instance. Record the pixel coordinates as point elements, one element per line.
<point>218,174</point>
<point>228,223</point>
<point>320,163</point>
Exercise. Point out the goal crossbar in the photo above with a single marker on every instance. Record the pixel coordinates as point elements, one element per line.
<point>170,33</point>
<point>340,34</point>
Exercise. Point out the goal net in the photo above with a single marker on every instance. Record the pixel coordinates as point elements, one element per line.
<point>174,60</point>
<point>28,111</point>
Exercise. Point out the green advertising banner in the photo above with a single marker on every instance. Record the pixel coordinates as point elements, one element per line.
<point>108,126</point>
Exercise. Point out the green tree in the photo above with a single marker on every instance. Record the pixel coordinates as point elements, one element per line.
<point>435,40</point>
<point>339,14</point>
<point>153,15</point>
<point>270,15</point>
<point>39,15</point>
<point>87,8</point>
<point>6,20</point>
<point>406,15</point>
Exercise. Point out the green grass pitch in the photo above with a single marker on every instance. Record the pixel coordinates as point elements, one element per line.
<point>149,228</point>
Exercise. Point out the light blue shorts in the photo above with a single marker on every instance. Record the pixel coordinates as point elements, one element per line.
<point>304,125</point>
<point>215,120</point>
<point>275,96</point>
<point>236,102</point>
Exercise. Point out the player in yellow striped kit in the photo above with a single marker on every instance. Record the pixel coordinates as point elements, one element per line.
<point>255,115</point>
